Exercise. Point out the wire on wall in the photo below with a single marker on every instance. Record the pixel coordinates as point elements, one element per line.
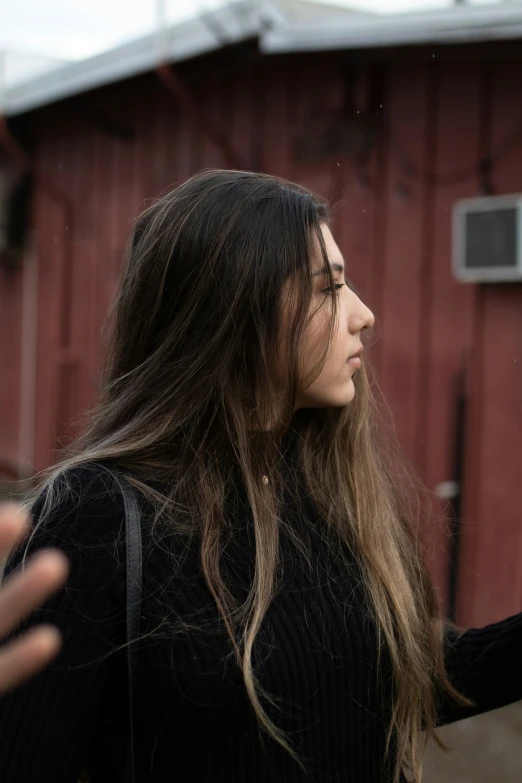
<point>482,167</point>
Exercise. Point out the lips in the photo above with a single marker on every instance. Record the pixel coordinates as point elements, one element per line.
<point>357,354</point>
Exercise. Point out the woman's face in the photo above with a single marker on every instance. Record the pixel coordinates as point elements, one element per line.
<point>334,386</point>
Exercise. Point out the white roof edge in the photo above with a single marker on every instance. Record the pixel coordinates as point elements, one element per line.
<point>141,55</point>
<point>244,20</point>
<point>449,25</point>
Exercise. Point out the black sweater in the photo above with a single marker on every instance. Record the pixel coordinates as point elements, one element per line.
<point>316,654</point>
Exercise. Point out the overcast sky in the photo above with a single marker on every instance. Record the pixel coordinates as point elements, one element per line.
<point>75,29</point>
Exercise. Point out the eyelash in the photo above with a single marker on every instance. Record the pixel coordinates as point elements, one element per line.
<point>329,292</point>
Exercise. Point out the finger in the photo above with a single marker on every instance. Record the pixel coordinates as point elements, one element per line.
<point>24,657</point>
<point>14,527</point>
<point>30,587</point>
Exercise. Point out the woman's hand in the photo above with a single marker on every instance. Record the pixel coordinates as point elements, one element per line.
<point>21,593</point>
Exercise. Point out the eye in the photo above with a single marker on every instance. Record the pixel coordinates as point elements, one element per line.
<point>329,291</point>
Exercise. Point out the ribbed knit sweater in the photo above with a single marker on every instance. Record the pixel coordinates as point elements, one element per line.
<point>316,655</point>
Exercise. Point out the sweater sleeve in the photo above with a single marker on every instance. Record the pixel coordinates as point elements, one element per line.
<point>484,664</point>
<point>47,724</point>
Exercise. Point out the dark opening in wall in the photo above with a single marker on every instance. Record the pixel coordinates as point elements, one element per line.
<point>15,217</point>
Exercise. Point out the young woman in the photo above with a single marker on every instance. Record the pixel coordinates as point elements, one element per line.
<point>289,629</point>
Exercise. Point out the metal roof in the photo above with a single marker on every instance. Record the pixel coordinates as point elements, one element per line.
<point>456,24</point>
<point>230,24</point>
<point>280,26</point>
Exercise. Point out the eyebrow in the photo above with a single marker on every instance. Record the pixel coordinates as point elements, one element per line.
<point>324,270</point>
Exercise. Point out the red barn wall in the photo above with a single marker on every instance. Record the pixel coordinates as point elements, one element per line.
<point>438,116</point>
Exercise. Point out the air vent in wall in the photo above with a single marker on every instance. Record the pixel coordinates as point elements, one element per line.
<point>487,239</point>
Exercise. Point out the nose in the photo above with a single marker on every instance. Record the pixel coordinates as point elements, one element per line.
<point>361,317</point>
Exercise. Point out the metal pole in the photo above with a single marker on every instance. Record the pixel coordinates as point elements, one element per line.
<point>162,41</point>
<point>459,445</point>
<point>3,82</point>
<point>182,94</point>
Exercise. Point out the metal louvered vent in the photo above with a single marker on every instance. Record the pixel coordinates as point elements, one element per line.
<point>487,239</point>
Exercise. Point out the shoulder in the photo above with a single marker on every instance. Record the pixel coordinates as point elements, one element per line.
<point>80,511</point>
<point>87,480</point>
<point>82,505</point>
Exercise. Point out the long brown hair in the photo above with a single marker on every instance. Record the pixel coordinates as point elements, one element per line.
<point>190,380</point>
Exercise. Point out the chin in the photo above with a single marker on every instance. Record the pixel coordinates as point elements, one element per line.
<point>338,398</point>
<point>334,399</point>
<point>348,395</point>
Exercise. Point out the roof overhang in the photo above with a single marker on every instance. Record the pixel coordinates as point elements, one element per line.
<point>277,31</point>
<point>461,24</point>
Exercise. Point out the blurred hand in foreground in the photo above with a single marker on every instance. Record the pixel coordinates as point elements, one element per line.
<point>21,593</point>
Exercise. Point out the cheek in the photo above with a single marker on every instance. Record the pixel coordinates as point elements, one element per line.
<point>315,340</point>
<point>334,366</point>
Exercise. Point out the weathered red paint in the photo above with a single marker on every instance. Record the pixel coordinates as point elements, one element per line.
<point>393,224</point>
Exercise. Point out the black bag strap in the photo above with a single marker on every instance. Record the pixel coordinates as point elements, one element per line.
<point>134,588</point>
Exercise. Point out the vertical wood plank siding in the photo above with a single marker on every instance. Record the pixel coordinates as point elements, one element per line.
<point>112,150</point>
